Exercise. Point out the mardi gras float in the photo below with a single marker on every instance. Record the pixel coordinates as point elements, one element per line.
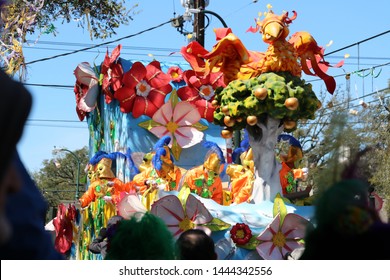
<point>161,140</point>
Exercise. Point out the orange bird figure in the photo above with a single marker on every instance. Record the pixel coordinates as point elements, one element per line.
<point>229,55</point>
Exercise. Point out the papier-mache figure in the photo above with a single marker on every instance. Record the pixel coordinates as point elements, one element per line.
<point>290,173</point>
<point>103,182</point>
<point>205,179</point>
<point>241,174</point>
<point>162,173</point>
<point>99,201</point>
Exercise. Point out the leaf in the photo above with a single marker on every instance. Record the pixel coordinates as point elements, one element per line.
<point>217,225</point>
<point>174,98</point>
<point>176,149</point>
<point>251,245</point>
<point>183,195</point>
<point>279,207</point>
<point>200,126</point>
<point>149,124</point>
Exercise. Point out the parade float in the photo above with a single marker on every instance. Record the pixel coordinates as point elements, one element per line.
<point>161,141</point>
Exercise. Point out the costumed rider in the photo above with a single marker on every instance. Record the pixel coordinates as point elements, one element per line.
<point>241,175</point>
<point>103,182</point>
<point>205,179</point>
<point>290,173</point>
<point>162,173</point>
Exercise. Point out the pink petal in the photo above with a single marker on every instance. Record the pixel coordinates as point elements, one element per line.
<point>164,114</point>
<point>294,226</point>
<point>196,211</point>
<point>85,74</point>
<point>188,136</point>
<point>185,114</point>
<point>129,205</point>
<point>89,101</point>
<point>160,131</point>
<point>268,252</point>
<point>292,245</point>
<point>270,230</point>
<point>170,209</point>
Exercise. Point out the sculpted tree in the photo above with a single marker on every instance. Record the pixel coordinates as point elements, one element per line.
<point>265,93</point>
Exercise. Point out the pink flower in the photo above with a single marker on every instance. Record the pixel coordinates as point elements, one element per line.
<point>279,238</point>
<point>144,89</point>
<point>112,72</point>
<point>86,89</point>
<point>177,122</point>
<point>179,217</point>
<point>200,91</point>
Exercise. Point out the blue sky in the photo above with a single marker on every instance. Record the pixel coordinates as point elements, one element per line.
<point>344,22</point>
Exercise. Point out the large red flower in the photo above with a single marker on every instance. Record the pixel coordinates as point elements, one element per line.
<point>112,72</point>
<point>200,91</point>
<point>144,89</point>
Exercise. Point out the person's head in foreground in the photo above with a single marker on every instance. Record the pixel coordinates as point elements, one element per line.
<point>143,237</point>
<point>195,244</point>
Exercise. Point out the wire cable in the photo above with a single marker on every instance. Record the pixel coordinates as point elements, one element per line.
<point>99,45</point>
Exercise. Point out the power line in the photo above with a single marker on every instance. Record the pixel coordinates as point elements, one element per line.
<point>99,45</point>
<point>358,43</point>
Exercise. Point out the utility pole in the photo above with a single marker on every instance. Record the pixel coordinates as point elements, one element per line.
<point>199,22</point>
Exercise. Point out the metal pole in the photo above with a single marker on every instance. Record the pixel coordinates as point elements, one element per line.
<point>199,22</point>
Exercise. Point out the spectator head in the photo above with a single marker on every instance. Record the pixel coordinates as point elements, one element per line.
<point>143,237</point>
<point>195,244</point>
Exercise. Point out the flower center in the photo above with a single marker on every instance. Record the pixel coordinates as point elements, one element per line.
<point>143,88</point>
<point>186,224</point>
<point>206,92</point>
<point>279,239</point>
<point>174,75</point>
<point>240,233</point>
<point>172,126</point>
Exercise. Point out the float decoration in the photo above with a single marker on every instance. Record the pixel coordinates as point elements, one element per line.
<point>186,213</point>
<point>180,121</point>
<point>265,93</point>
<point>283,235</point>
<point>63,224</point>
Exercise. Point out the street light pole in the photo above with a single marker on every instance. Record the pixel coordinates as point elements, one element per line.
<point>55,151</point>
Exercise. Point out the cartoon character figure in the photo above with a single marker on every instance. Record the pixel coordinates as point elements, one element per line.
<point>103,182</point>
<point>289,174</point>
<point>242,178</point>
<point>161,173</point>
<point>205,179</point>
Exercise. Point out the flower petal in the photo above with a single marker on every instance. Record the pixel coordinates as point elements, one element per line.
<point>196,211</point>
<point>188,136</point>
<point>136,74</point>
<point>270,230</point>
<point>126,97</point>
<point>160,131</point>
<point>186,93</point>
<point>268,251</point>
<point>164,114</point>
<point>142,106</point>
<point>170,210</point>
<point>89,101</point>
<point>205,109</point>
<point>129,205</point>
<point>294,226</point>
<point>185,114</point>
